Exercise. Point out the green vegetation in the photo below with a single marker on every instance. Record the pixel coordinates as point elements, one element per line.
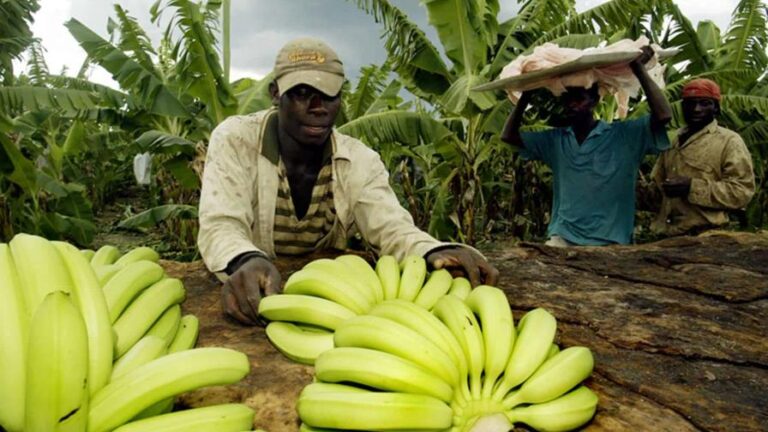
<point>67,144</point>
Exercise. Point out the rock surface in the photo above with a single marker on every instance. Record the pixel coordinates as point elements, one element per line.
<point>677,328</point>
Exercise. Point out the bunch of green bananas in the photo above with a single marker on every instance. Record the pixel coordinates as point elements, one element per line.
<point>85,349</point>
<point>396,353</point>
<point>324,294</point>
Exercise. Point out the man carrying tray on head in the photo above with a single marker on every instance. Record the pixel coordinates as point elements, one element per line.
<point>594,163</point>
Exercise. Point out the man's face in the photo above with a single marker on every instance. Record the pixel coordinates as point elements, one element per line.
<point>699,111</point>
<point>307,115</point>
<point>579,102</point>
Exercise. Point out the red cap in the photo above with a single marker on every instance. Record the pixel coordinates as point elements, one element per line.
<point>701,88</point>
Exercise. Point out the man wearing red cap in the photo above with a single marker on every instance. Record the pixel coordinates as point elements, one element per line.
<point>707,171</point>
<point>284,182</point>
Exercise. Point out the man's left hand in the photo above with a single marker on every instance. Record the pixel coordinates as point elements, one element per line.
<point>645,56</point>
<point>677,187</point>
<point>475,267</point>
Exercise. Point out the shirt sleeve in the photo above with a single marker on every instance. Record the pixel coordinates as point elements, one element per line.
<point>736,185</point>
<point>382,221</point>
<point>226,200</point>
<point>538,145</point>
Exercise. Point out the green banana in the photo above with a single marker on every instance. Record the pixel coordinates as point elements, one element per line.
<point>167,376</point>
<point>535,333</point>
<point>142,352</point>
<point>553,351</point>
<point>460,287</point>
<point>89,298</point>
<point>158,408</point>
<point>421,321</point>
<point>304,309</point>
<point>14,331</point>
<point>490,306</point>
<point>388,271</point>
<point>219,418</point>
<point>127,283</point>
<point>562,414</point>
<point>298,344</point>
<point>31,254</point>
<point>556,376</point>
<point>321,387</point>
<point>462,322</point>
<point>167,325</point>
<point>144,311</point>
<point>106,254</point>
<point>437,285</point>
<point>315,282</point>
<point>391,373</point>
<point>340,270</point>
<point>141,253</point>
<point>373,411</point>
<point>412,277</point>
<point>186,336</point>
<point>88,254</point>
<point>105,272</point>
<point>57,368</point>
<point>367,331</point>
<point>360,267</point>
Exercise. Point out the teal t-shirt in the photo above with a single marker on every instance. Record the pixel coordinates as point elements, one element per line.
<point>594,183</point>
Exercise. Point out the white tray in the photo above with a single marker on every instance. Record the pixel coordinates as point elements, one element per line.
<point>586,61</point>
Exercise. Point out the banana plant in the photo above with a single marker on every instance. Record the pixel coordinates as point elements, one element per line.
<point>15,33</point>
<point>470,155</point>
<point>178,91</point>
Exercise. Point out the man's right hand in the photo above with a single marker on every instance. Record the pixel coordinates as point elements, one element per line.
<point>254,279</point>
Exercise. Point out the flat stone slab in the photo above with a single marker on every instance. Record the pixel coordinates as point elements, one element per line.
<point>677,328</point>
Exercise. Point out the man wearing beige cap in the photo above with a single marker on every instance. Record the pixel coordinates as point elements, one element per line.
<point>284,182</point>
<point>707,171</point>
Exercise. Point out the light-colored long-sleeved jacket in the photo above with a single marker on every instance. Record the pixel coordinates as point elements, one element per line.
<point>237,202</point>
<point>720,167</point>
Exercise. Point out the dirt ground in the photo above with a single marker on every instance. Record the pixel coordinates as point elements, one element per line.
<point>677,328</point>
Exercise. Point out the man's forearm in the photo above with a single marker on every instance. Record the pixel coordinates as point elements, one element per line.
<point>511,132</point>
<point>661,110</point>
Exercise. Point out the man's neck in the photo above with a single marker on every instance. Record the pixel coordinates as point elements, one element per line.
<point>295,154</point>
<point>582,127</point>
<point>691,130</point>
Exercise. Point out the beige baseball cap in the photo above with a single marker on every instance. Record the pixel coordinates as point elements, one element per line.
<point>311,62</point>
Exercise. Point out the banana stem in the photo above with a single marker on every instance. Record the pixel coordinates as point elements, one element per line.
<point>488,386</point>
<point>476,384</point>
<point>497,422</point>
<point>512,400</point>
<point>501,391</point>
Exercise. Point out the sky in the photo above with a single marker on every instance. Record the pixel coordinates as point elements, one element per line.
<point>261,27</point>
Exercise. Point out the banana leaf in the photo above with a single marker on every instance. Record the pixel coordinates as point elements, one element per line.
<point>413,56</point>
<point>23,171</point>
<point>252,95</point>
<point>155,141</point>
<point>30,98</point>
<point>131,75</point>
<point>156,215</point>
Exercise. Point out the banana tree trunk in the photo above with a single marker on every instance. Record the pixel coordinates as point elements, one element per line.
<point>225,27</point>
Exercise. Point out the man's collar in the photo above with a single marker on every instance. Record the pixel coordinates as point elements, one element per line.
<point>600,127</point>
<point>270,145</point>
<point>709,128</point>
